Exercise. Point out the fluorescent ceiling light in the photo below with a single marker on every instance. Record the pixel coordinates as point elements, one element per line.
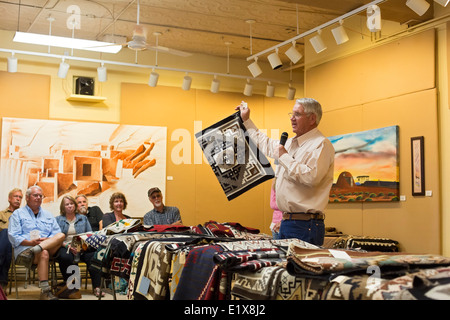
<point>63,42</point>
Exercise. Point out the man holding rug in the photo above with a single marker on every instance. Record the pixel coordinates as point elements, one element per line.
<point>304,174</point>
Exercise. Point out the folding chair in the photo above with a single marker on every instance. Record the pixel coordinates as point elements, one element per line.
<point>13,274</point>
<point>104,286</point>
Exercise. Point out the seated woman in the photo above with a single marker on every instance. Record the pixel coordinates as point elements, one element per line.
<point>71,224</point>
<point>117,203</point>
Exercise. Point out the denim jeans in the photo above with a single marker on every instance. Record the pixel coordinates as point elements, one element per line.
<point>275,235</point>
<point>312,231</point>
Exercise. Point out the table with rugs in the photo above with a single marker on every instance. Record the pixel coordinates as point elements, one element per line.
<point>226,261</point>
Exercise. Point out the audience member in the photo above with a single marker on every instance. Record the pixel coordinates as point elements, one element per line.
<point>161,214</point>
<point>72,223</point>
<point>35,236</point>
<point>94,213</point>
<point>277,214</point>
<point>14,199</point>
<point>117,203</point>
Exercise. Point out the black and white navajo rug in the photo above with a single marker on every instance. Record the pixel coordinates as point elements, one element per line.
<point>235,159</point>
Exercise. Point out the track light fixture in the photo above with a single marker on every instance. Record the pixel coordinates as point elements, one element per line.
<point>63,69</point>
<point>317,42</point>
<point>254,68</point>
<point>101,73</point>
<point>12,63</point>
<point>291,92</point>
<point>418,6</point>
<point>274,60</point>
<point>339,33</point>
<point>215,84</point>
<point>153,81</point>
<point>248,90</point>
<point>293,54</point>
<point>187,80</point>
<point>270,90</point>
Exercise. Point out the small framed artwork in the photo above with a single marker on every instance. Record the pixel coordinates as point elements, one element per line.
<point>417,166</point>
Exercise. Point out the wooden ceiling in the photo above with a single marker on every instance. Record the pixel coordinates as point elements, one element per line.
<point>196,26</point>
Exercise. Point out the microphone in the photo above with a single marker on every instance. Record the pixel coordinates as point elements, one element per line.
<point>283,138</point>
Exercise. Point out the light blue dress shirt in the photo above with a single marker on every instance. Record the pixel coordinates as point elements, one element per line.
<point>23,221</point>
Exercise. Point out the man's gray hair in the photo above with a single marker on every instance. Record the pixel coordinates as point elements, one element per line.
<point>311,105</point>
<point>29,190</point>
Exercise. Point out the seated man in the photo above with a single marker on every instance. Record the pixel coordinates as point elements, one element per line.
<point>161,214</point>
<point>35,236</point>
<point>94,213</point>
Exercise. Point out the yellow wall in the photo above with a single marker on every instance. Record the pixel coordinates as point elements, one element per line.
<point>393,84</point>
<point>443,69</point>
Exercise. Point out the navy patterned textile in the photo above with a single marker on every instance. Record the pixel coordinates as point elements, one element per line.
<point>234,158</point>
<point>200,275</point>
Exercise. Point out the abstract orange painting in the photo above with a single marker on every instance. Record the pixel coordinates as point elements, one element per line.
<point>95,159</point>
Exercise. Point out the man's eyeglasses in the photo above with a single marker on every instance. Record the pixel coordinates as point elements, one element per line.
<point>297,114</point>
<point>38,196</point>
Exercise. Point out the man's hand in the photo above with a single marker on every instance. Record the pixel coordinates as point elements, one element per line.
<point>32,243</point>
<point>245,111</point>
<point>281,150</point>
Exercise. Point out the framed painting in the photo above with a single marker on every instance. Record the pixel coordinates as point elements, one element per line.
<point>366,167</point>
<point>95,159</point>
<point>417,166</point>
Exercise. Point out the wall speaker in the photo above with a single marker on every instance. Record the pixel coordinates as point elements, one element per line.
<point>84,86</point>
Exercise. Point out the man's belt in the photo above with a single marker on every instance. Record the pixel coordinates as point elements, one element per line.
<point>303,216</point>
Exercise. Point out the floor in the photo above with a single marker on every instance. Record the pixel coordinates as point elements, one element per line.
<point>32,292</point>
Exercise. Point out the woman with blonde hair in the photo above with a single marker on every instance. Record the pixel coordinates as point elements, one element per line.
<point>72,223</point>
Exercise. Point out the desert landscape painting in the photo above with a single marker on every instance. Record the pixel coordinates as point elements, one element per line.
<point>366,166</point>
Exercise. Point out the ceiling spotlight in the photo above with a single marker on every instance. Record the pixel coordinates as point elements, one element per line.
<point>418,6</point>
<point>153,81</point>
<point>293,54</point>
<point>187,80</point>
<point>254,68</point>
<point>248,88</point>
<point>291,93</point>
<point>270,90</point>
<point>274,60</point>
<point>101,73</point>
<point>443,3</point>
<point>12,63</point>
<point>63,69</point>
<point>339,33</point>
<point>317,42</point>
<point>215,84</point>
